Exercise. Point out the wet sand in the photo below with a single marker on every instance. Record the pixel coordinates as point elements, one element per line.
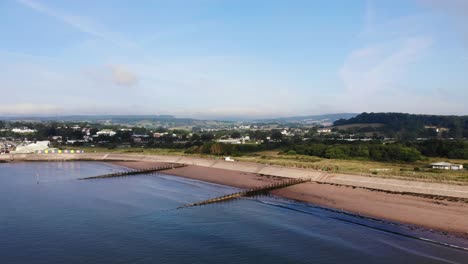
<point>434,212</point>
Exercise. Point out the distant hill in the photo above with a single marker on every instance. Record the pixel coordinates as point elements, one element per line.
<point>312,119</point>
<point>127,120</point>
<point>410,124</point>
<point>90,118</point>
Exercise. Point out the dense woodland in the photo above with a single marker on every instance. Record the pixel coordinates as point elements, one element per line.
<point>331,149</point>
<point>409,126</point>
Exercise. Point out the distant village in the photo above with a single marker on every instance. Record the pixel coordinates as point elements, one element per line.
<point>371,141</point>
<point>30,139</point>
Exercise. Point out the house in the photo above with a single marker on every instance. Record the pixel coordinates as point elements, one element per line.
<point>446,166</point>
<point>4,148</point>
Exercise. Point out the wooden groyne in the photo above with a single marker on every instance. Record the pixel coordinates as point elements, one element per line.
<point>250,192</point>
<point>136,172</point>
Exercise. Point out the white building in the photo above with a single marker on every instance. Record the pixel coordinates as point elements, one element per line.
<point>324,130</point>
<point>437,129</point>
<point>106,132</point>
<point>446,166</point>
<point>33,147</point>
<point>229,141</point>
<point>23,130</point>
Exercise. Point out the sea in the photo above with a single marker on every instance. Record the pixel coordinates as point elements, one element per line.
<point>48,215</point>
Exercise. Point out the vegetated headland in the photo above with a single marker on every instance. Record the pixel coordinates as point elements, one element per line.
<point>381,165</point>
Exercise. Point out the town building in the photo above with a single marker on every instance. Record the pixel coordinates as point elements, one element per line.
<point>230,141</point>
<point>158,135</point>
<point>137,138</point>
<point>286,133</point>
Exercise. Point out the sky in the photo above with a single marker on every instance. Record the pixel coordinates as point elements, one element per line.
<point>243,58</point>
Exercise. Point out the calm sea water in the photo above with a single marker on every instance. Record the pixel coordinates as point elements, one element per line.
<point>47,216</point>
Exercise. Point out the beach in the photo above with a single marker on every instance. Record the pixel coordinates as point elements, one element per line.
<point>431,212</point>
<point>434,206</point>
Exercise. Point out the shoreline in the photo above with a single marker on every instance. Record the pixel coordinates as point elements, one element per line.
<point>413,186</point>
<point>434,214</point>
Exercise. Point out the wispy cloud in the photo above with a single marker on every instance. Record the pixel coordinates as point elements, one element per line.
<point>456,10</point>
<point>369,18</point>
<point>382,60</point>
<point>80,23</point>
<point>374,69</point>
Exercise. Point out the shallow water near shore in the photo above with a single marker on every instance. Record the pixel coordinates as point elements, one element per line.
<point>48,216</point>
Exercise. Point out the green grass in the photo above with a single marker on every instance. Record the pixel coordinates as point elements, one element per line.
<point>363,167</point>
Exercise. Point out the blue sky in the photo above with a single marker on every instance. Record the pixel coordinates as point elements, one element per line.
<point>213,58</point>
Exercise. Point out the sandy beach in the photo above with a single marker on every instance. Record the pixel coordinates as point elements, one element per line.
<point>446,215</point>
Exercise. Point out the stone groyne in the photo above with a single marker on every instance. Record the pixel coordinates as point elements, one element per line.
<point>135,172</point>
<point>255,191</point>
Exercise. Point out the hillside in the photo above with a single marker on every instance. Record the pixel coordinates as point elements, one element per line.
<point>411,125</point>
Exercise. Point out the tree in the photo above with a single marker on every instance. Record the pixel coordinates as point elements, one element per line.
<point>207,137</point>
<point>235,135</point>
<point>276,135</point>
<point>336,152</point>
<point>195,137</point>
<point>258,135</point>
<point>216,149</point>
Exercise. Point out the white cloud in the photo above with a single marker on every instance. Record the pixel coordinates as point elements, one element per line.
<point>121,76</point>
